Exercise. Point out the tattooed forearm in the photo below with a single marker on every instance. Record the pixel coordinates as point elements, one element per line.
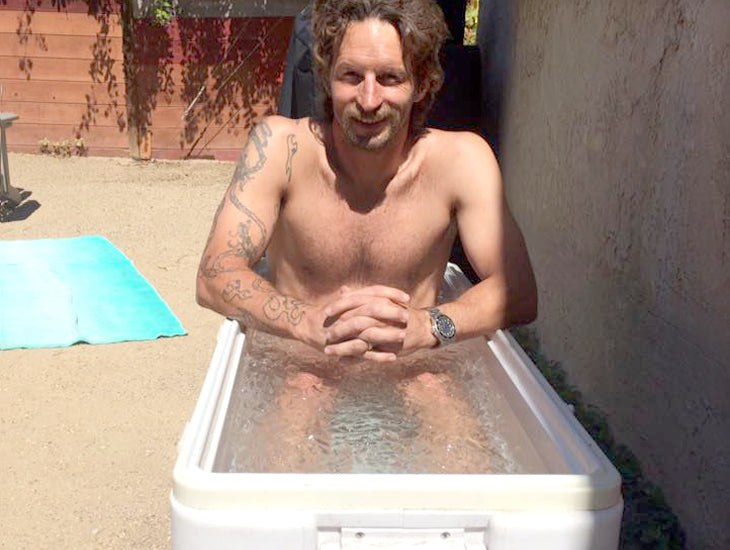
<point>277,305</point>
<point>256,304</point>
<point>234,291</point>
<point>291,143</point>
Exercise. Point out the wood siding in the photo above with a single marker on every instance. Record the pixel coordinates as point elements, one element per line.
<point>64,77</point>
<point>45,77</point>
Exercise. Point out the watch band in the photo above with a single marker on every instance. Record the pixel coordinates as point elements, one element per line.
<point>442,327</point>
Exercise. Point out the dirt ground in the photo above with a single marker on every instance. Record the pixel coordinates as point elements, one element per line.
<point>88,433</point>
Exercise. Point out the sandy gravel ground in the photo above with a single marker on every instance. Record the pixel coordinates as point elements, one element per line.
<point>88,433</point>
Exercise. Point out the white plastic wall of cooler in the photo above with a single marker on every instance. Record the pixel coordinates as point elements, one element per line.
<point>194,529</point>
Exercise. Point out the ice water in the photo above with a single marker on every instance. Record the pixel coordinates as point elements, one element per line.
<point>295,410</point>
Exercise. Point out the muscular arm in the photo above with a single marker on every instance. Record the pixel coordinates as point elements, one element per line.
<point>241,232</point>
<point>507,293</point>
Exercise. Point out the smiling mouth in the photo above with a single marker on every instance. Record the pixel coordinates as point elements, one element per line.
<point>369,122</point>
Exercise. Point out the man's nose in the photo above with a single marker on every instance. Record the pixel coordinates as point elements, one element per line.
<point>369,97</point>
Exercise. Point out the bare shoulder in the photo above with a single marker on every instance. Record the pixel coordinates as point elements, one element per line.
<point>464,160</point>
<point>299,135</point>
<point>279,127</point>
<point>461,149</point>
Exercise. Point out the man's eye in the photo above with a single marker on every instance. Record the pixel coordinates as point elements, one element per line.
<point>390,79</point>
<point>351,77</point>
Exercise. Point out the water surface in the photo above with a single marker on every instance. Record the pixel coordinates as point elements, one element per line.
<point>295,410</point>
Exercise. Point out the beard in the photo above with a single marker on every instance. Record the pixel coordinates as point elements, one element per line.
<point>386,124</point>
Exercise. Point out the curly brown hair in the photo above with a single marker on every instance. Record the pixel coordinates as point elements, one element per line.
<point>422,30</point>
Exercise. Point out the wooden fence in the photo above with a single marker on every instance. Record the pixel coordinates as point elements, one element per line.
<point>192,88</point>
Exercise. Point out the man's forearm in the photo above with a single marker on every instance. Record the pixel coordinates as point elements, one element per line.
<point>250,299</point>
<point>489,306</point>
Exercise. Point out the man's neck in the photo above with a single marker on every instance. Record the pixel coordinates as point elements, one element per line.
<point>368,170</point>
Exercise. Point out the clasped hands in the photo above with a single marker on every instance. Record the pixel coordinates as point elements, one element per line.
<point>374,323</point>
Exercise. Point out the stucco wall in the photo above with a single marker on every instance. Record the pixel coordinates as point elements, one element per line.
<point>617,163</point>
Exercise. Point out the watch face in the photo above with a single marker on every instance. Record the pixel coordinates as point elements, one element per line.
<point>445,326</point>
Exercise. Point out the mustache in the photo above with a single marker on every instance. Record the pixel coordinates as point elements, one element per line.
<point>352,111</point>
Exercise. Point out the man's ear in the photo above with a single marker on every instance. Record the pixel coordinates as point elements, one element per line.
<point>420,94</point>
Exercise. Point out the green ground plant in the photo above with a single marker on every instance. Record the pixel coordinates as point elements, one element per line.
<point>648,521</point>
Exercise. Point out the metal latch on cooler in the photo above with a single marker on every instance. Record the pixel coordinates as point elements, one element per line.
<point>401,539</point>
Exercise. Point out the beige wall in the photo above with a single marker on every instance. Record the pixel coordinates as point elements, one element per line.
<point>617,163</point>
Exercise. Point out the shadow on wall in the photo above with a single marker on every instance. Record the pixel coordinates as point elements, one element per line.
<point>212,74</point>
<point>226,90</point>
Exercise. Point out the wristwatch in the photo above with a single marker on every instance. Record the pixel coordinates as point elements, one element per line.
<point>442,327</point>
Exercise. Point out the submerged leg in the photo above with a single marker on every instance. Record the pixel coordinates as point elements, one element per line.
<point>450,439</point>
<point>294,433</point>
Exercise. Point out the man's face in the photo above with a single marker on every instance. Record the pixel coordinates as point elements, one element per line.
<point>372,92</point>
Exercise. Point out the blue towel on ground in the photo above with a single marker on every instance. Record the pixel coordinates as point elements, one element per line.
<point>56,292</point>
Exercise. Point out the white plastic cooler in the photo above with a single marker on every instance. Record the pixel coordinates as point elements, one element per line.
<point>572,501</point>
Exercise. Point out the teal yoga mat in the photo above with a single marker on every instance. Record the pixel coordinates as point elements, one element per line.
<point>56,292</point>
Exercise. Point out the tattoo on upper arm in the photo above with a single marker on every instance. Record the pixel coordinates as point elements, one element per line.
<point>247,244</point>
<point>243,245</point>
<point>215,222</point>
<point>292,146</point>
<point>251,236</point>
<point>254,156</point>
<point>252,160</point>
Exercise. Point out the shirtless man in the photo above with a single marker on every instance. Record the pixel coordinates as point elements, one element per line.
<point>357,212</point>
